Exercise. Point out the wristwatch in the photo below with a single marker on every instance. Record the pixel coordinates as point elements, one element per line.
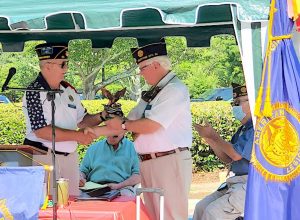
<point>102,118</point>
<point>123,125</point>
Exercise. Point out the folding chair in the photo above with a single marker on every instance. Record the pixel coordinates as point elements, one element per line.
<point>139,191</point>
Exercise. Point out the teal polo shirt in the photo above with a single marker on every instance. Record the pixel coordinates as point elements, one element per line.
<point>102,163</point>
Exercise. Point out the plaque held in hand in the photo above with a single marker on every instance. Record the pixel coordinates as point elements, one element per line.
<point>113,108</point>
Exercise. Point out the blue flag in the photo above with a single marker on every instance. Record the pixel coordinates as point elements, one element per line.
<point>273,186</point>
<point>21,192</point>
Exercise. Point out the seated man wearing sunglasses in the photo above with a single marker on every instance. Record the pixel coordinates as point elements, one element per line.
<point>69,115</point>
<point>112,161</point>
<point>229,200</point>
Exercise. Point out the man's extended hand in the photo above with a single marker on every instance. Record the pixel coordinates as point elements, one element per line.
<point>114,123</point>
<point>85,138</point>
<point>88,130</point>
<point>206,130</point>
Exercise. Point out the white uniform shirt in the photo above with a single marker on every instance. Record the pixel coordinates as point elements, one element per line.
<point>171,109</point>
<point>37,109</point>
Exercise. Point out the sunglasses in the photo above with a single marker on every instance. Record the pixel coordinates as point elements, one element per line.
<point>62,65</point>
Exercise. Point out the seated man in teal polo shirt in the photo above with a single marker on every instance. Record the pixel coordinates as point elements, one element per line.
<point>112,161</point>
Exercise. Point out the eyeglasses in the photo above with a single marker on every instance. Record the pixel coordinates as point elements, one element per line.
<point>238,102</point>
<point>62,65</point>
<point>144,67</point>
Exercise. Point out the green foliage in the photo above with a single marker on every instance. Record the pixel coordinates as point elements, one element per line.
<point>12,124</point>
<point>198,80</point>
<point>206,68</point>
<point>90,66</point>
<point>113,88</point>
<point>219,115</point>
<point>225,60</point>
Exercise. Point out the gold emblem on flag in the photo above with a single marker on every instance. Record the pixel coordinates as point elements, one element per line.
<point>279,142</point>
<point>276,151</point>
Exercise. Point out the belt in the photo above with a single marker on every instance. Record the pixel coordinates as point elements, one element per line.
<point>144,157</point>
<point>42,147</point>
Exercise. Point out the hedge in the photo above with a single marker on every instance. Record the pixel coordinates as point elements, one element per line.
<point>12,127</point>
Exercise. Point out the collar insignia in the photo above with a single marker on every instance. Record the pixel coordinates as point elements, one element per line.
<point>71,98</point>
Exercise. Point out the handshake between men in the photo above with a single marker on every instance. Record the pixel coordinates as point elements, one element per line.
<point>84,137</point>
<point>113,126</point>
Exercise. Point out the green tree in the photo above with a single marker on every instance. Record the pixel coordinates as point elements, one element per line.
<point>199,80</point>
<point>225,60</point>
<point>97,68</point>
<point>206,68</point>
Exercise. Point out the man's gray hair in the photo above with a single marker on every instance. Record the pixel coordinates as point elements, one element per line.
<point>164,61</point>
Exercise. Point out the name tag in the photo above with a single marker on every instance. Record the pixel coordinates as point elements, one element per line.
<point>72,106</point>
<point>148,107</point>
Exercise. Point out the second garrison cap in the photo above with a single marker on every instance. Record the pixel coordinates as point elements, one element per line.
<point>149,51</point>
<point>239,90</point>
<point>52,51</point>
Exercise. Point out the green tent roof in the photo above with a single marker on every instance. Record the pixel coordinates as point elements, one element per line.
<point>104,20</point>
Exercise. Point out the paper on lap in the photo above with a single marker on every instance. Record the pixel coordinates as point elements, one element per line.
<point>91,185</point>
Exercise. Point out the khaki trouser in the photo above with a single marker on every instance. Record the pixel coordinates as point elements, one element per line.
<point>227,204</point>
<point>66,167</point>
<point>173,174</point>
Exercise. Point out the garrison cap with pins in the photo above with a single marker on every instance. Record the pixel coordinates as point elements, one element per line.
<point>149,51</point>
<point>238,90</point>
<point>48,51</point>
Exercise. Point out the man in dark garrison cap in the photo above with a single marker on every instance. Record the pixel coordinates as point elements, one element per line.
<point>162,124</point>
<point>229,200</point>
<point>69,115</point>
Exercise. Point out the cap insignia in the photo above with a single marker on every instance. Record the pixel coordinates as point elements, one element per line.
<point>140,53</point>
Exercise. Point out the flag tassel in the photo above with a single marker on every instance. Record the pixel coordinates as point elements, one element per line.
<point>267,112</point>
<point>258,102</point>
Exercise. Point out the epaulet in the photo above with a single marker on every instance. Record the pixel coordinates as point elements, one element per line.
<point>66,84</point>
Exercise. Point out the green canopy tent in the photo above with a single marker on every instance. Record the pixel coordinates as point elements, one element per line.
<point>146,20</point>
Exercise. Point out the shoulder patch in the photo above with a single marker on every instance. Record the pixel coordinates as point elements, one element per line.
<point>66,84</point>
